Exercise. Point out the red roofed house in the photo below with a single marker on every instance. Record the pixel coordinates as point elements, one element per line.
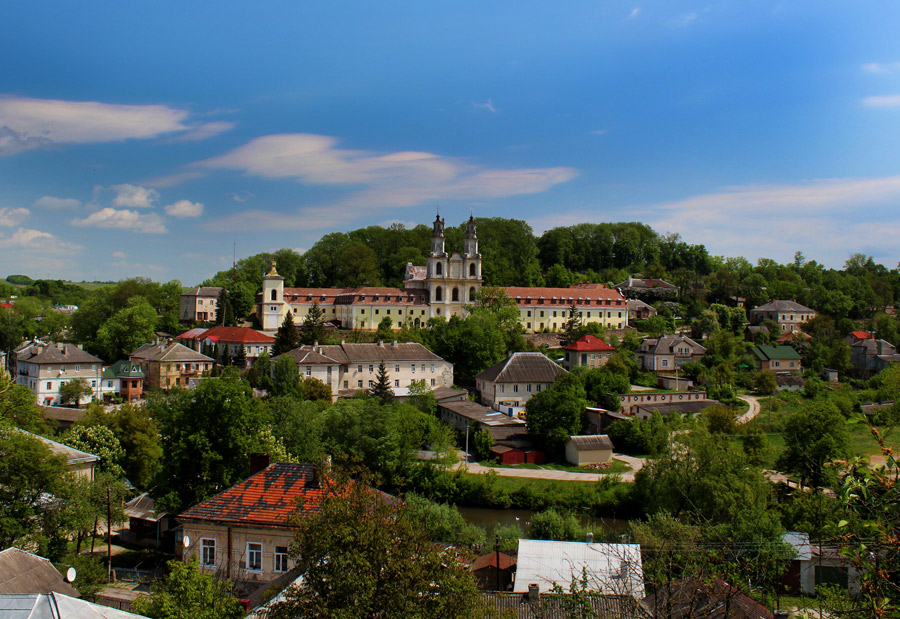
<point>494,571</point>
<point>243,532</point>
<point>230,338</point>
<point>589,351</point>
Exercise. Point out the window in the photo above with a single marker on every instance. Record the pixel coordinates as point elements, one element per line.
<point>423,368</point>
<point>413,368</point>
<point>359,384</point>
<point>371,368</point>
<point>501,388</point>
<point>455,294</point>
<point>438,294</point>
<point>432,382</point>
<point>346,384</point>
<point>359,369</point>
<point>94,382</point>
<point>665,363</point>
<point>539,387</point>
<point>396,382</point>
<point>371,384</point>
<point>528,388</point>
<point>472,270</point>
<point>542,315</point>
<point>554,314</point>
<point>94,368</point>
<point>77,368</point>
<point>49,385</point>
<point>438,270</point>
<point>515,389</point>
<point>281,558</point>
<point>376,312</point>
<point>274,295</point>
<point>528,313</point>
<point>308,371</point>
<point>273,308</point>
<point>109,384</point>
<point>397,367</point>
<point>208,552</point>
<point>254,556</point>
<point>432,368</point>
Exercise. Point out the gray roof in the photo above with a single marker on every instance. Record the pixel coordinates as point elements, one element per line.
<point>73,456</point>
<point>23,572</point>
<point>520,606</point>
<point>170,352</point>
<point>203,291</point>
<point>666,344</point>
<point>56,606</point>
<point>784,306</point>
<point>143,507</point>
<point>392,351</point>
<point>523,367</point>
<point>305,355</point>
<point>592,441</point>
<point>54,353</point>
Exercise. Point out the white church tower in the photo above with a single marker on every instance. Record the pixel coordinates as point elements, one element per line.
<point>452,280</point>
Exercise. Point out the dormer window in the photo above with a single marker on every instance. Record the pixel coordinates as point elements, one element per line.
<point>309,297</point>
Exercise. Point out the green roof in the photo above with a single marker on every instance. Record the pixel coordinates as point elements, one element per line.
<point>123,369</point>
<point>781,353</point>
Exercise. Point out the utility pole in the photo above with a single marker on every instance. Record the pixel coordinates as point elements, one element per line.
<point>497,558</point>
<point>108,537</point>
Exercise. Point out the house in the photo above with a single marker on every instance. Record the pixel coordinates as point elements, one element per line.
<point>778,359</point>
<point>81,463</point>
<point>638,310</point>
<point>45,367</point>
<point>817,564</point>
<point>146,525</point>
<point>56,605</point>
<point>869,355</point>
<point>589,449</point>
<point>494,571</point>
<point>348,368</point>
<point>243,533</point>
<point>508,385</point>
<point>668,352</point>
<point>853,336</point>
<point>696,597</point>
<point>647,289</point>
<point>588,351</point>
<point>643,405</point>
<point>125,379</point>
<point>199,304</point>
<point>230,340</point>
<point>610,569</point>
<point>788,314</point>
<point>443,287</point>
<point>170,365</point>
<point>24,573</point>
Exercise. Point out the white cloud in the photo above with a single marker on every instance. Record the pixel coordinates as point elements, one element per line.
<point>57,204</point>
<point>634,12</point>
<point>598,132</point>
<point>134,196</point>
<point>10,217</point>
<point>185,208</point>
<point>881,67</point>
<point>205,131</point>
<point>882,101</point>
<point>119,254</point>
<point>487,105</point>
<point>43,242</point>
<point>31,123</point>
<point>171,180</point>
<point>124,220</point>
<point>397,179</point>
<point>685,20</point>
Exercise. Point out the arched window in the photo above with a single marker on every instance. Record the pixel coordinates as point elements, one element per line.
<point>438,269</point>
<point>438,294</point>
<point>274,294</point>
<point>472,294</point>
<point>472,270</point>
<point>456,294</point>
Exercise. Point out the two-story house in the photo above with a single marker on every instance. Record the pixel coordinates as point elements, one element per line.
<point>170,365</point>
<point>348,368</point>
<point>788,314</point>
<point>668,352</point>
<point>589,351</point>
<point>199,304</point>
<point>869,356</point>
<point>779,359</point>
<point>45,367</point>
<point>230,340</point>
<point>508,385</point>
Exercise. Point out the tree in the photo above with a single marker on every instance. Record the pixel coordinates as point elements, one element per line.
<point>385,331</point>
<point>573,323</point>
<point>814,437</point>
<point>381,389</point>
<point>18,407</point>
<point>74,391</point>
<point>313,327</point>
<point>422,397</point>
<point>482,443</point>
<point>764,382</point>
<point>224,310</point>
<point>556,413</point>
<point>189,593</point>
<point>286,378</point>
<point>550,524</point>
<point>365,555</point>
<point>314,389</point>
<point>240,359</point>
<point>100,441</point>
<point>138,435</point>
<point>127,329</point>
<point>287,338</point>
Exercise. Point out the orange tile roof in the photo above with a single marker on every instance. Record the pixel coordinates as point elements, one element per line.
<point>590,342</point>
<point>599,295</point>
<point>265,499</point>
<point>236,334</point>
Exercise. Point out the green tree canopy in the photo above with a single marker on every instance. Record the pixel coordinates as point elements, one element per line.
<point>188,592</point>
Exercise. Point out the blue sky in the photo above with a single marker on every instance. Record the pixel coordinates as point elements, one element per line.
<point>146,138</point>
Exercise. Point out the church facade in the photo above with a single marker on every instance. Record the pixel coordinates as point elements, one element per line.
<point>442,288</point>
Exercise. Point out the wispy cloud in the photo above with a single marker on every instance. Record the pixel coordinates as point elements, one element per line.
<point>598,132</point>
<point>11,217</point>
<point>123,219</point>
<point>686,19</point>
<point>881,67</point>
<point>119,254</point>
<point>487,105</point>
<point>35,240</point>
<point>634,13</point>
<point>205,131</point>
<point>184,208</point>
<point>398,179</point>
<point>171,180</point>
<point>51,203</point>
<point>134,196</point>
<point>882,101</point>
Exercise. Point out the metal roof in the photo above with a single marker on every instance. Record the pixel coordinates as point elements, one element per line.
<point>57,606</point>
<point>24,573</point>
<point>523,367</point>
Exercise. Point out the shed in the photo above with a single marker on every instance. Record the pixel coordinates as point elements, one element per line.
<point>505,454</point>
<point>589,449</point>
<point>488,571</point>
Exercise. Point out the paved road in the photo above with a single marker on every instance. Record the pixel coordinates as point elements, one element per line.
<point>752,412</point>
<point>476,468</point>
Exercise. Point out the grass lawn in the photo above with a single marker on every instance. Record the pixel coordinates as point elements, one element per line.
<point>617,467</point>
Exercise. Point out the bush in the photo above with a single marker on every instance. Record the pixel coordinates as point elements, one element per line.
<point>550,524</point>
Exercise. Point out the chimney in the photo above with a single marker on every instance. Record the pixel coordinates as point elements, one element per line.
<point>394,343</point>
<point>533,591</point>
<point>381,343</point>
<point>259,462</point>
<point>590,537</point>
<point>316,345</point>
<point>322,471</point>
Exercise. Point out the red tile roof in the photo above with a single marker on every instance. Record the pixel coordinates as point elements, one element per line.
<point>861,335</point>
<point>490,560</point>
<point>591,343</point>
<point>265,499</point>
<point>237,334</point>
<point>599,295</point>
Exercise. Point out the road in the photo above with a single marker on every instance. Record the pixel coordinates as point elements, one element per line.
<point>752,412</point>
<point>473,467</point>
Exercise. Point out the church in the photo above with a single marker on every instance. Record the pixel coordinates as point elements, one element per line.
<point>441,288</point>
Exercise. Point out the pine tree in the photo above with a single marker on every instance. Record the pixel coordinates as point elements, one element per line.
<point>382,387</point>
<point>286,339</point>
<point>224,310</point>
<point>240,359</point>
<point>313,328</point>
<point>573,324</point>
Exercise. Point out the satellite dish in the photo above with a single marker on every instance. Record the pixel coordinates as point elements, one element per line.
<point>186,541</point>
<point>70,574</point>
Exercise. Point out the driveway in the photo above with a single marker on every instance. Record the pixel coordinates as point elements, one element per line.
<point>752,412</point>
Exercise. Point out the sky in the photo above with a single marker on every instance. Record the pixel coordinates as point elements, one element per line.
<point>156,139</point>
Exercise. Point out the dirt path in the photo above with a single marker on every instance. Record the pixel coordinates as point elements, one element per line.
<point>752,412</point>
<point>477,469</point>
